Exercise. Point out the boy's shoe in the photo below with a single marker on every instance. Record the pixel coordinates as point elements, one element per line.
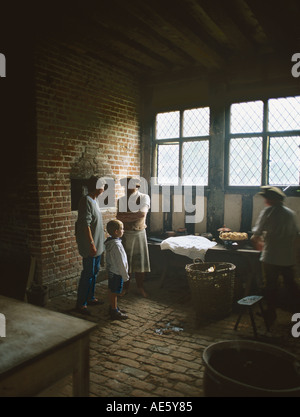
<point>117,315</point>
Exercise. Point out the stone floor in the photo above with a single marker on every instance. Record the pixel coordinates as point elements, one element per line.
<point>158,351</point>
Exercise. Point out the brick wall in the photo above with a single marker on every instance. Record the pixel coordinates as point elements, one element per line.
<point>87,122</point>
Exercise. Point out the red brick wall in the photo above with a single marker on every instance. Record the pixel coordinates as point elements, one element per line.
<point>87,123</point>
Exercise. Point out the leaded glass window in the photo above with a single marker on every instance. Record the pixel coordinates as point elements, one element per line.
<point>264,140</point>
<point>182,146</point>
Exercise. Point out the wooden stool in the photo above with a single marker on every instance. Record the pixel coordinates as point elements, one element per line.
<point>248,303</point>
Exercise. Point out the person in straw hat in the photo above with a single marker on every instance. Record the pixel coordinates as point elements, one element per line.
<point>275,235</point>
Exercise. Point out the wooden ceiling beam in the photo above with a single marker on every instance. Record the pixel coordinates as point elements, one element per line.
<point>132,31</point>
<point>155,16</point>
<point>93,37</point>
<point>170,37</point>
<point>218,12</point>
<point>85,39</point>
<point>134,51</point>
<point>206,24</point>
<point>248,24</point>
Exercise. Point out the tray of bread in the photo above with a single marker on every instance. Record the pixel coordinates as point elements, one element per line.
<point>233,236</point>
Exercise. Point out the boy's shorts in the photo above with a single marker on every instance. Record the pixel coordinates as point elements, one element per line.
<point>115,283</point>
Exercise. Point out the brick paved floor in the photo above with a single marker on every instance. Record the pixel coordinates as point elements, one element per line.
<point>157,352</point>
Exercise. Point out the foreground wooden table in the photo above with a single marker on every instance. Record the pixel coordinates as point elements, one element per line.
<point>40,348</point>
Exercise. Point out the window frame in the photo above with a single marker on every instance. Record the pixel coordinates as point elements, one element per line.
<point>180,141</point>
<point>266,135</point>
<point>290,190</point>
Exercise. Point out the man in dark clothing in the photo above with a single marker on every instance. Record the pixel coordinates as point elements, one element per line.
<point>275,234</point>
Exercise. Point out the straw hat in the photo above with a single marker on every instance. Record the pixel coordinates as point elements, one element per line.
<point>271,193</point>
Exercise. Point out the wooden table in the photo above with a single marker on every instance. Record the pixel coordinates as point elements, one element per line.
<point>248,266</point>
<point>40,348</point>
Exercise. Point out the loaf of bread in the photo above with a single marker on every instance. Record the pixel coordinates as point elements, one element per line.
<point>233,236</point>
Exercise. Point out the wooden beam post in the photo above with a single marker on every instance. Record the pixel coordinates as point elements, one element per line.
<point>215,198</point>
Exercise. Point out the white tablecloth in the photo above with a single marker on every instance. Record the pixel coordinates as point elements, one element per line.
<point>191,246</point>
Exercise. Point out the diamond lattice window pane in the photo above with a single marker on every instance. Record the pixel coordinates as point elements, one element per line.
<point>284,160</point>
<point>245,161</point>
<point>167,125</point>
<point>284,114</point>
<point>196,122</point>
<point>195,163</point>
<point>167,164</point>
<point>246,117</point>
